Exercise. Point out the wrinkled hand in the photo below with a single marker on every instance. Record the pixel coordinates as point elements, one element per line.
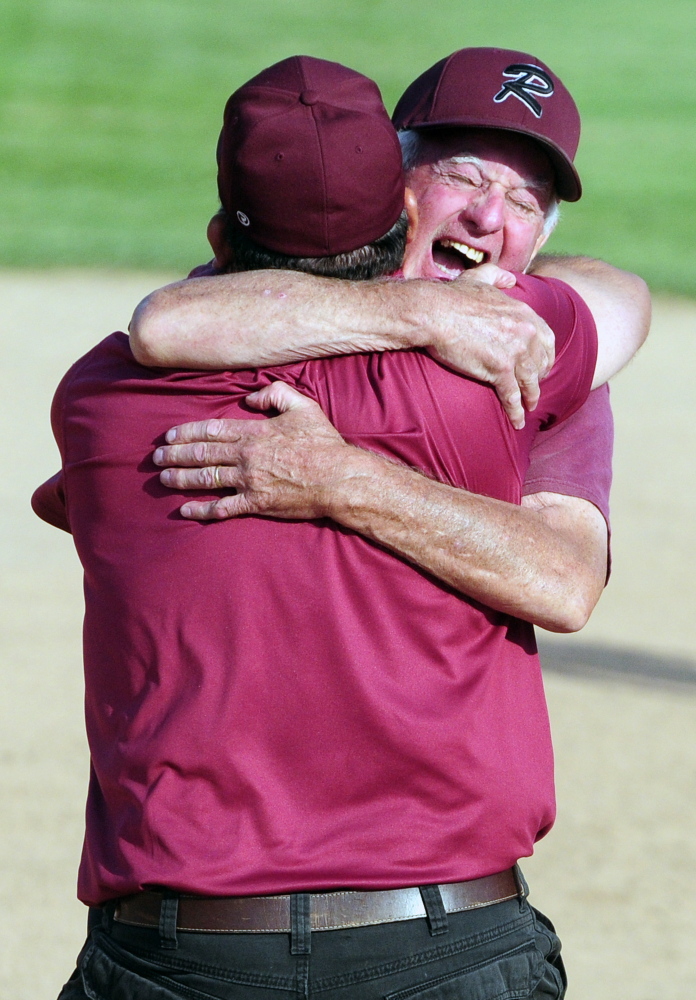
<point>491,274</point>
<point>493,337</point>
<point>281,467</point>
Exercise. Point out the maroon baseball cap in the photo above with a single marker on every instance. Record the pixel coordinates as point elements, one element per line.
<point>309,163</point>
<point>502,89</point>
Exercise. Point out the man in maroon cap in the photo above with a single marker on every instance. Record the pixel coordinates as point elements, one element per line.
<point>505,104</point>
<point>291,729</point>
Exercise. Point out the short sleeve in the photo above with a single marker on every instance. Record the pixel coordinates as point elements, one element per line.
<point>568,384</point>
<point>574,457</point>
<point>204,271</point>
<point>48,503</point>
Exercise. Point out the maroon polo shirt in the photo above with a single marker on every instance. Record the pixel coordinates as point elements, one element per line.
<point>277,705</point>
<point>574,457</point>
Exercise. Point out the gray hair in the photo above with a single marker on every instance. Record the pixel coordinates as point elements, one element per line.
<point>414,154</point>
<point>381,257</point>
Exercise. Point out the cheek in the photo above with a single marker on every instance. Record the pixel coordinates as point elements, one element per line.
<point>437,206</point>
<point>525,235</point>
<point>519,242</point>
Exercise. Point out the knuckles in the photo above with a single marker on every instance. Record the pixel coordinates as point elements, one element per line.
<point>208,477</point>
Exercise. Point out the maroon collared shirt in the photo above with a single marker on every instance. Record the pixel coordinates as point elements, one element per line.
<point>276,706</point>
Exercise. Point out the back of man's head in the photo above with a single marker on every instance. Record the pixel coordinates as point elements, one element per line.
<point>309,172</point>
<point>487,88</point>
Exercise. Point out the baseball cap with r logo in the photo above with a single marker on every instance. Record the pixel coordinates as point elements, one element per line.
<point>499,89</point>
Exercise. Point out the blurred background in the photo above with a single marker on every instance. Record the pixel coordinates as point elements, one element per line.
<point>111,109</point>
<point>109,116</point>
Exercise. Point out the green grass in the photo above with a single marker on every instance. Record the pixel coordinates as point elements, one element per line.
<point>110,109</point>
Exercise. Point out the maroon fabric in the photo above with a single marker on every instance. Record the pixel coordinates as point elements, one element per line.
<point>574,458</point>
<point>308,161</point>
<point>502,89</point>
<point>275,706</point>
<point>205,271</point>
<point>48,502</point>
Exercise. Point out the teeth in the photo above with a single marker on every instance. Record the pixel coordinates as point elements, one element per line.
<point>446,270</point>
<point>466,251</point>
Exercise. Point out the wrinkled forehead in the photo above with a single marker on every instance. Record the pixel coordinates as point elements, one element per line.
<point>491,148</point>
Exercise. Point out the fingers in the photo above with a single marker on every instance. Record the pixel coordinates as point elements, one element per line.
<point>215,510</point>
<point>518,392</point>
<point>527,376</point>
<point>279,396</point>
<point>504,279</point>
<point>199,453</point>
<point>510,396</point>
<point>204,430</point>
<point>532,341</point>
<point>535,351</point>
<point>491,274</point>
<point>216,477</point>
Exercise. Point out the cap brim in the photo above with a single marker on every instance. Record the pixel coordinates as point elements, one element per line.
<point>568,184</point>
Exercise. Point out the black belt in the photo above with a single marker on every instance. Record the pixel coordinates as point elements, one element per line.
<point>328,910</point>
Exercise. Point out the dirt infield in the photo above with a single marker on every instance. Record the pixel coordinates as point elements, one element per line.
<point>615,874</point>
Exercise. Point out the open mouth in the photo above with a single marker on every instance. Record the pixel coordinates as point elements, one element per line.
<point>452,257</point>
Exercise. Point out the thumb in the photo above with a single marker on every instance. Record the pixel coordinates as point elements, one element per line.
<point>279,396</point>
<point>491,274</point>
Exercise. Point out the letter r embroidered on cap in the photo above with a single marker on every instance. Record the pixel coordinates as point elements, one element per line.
<point>528,81</point>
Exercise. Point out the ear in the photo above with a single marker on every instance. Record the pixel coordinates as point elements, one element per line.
<point>545,234</point>
<point>543,237</point>
<point>216,237</point>
<point>411,205</point>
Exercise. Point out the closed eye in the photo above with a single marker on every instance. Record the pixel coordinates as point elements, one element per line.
<point>468,177</point>
<point>524,207</point>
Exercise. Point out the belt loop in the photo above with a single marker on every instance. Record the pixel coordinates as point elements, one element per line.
<point>300,924</point>
<point>169,911</point>
<point>521,882</point>
<point>107,916</point>
<point>434,909</point>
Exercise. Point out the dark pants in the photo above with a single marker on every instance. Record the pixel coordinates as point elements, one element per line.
<point>507,951</point>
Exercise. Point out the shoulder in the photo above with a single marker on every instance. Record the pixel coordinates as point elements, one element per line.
<point>570,380</point>
<point>112,350</point>
<point>574,457</point>
<point>561,306</point>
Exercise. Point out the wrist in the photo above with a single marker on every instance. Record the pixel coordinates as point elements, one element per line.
<point>350,492</point>
<point>411,308</point>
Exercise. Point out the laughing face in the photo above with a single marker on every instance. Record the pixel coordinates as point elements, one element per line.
<point>482,196</point>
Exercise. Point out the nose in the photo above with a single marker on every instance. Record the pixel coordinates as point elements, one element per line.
<point>487,210</point>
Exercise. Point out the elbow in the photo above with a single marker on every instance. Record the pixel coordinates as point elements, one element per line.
<point>572,612</point>
<point>643,306</point>
<point>638,310</point>
<point>565,624</point>
<point>145,339</point>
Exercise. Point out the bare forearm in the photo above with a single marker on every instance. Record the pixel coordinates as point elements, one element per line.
<point>537,564</point>
<point>619,302</point>
<point>545,562</point>
<point>261,318</point>
<point>270,317</point>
